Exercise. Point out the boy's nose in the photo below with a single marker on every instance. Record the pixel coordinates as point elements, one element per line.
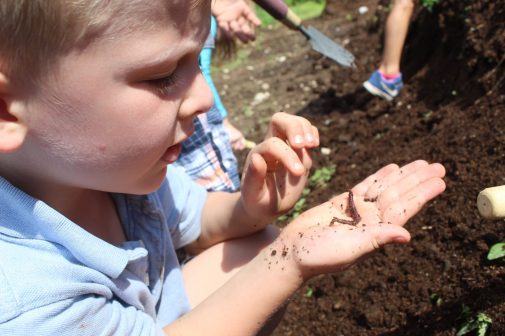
<point>198,98</point>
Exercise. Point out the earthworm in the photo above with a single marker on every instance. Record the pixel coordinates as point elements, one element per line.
<point>342,221</point>
<point>352,211</point>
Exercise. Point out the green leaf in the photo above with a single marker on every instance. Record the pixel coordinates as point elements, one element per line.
<point>496,251</point>
<point>436,299</point>
<point>466,328</point>
<point>484,322</point>
<point>322,176</point>
<point>429,4</point>
<point>479,322</point>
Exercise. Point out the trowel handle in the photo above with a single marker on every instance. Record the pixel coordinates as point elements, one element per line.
<point>491,202</point>
<point>280,11</point>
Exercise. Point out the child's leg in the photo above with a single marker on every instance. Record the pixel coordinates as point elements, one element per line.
<point>209,270</point>
<point>397,25</point>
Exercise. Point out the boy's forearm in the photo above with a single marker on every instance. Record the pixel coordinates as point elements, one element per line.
<point>224,217</point>
<point>243,305</point>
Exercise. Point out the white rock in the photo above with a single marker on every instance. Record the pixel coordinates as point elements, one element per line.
<point>325,151</point>
<point>260,97</point>
<point>363,10</point>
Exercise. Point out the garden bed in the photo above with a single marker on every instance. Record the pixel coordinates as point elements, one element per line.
<point>452,111</point>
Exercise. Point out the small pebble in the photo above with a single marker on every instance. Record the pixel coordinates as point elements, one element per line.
<point>363,10</point>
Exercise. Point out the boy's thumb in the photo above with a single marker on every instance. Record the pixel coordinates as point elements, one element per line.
<point>390,234</point>
<point>253,179</point>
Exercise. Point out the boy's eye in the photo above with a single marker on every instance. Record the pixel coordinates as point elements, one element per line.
<point>165,84</point>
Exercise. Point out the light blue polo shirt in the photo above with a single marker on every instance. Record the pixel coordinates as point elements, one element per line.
<point>58,279</point>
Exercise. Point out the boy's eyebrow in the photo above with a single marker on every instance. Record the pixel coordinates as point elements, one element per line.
<point>170,55</point>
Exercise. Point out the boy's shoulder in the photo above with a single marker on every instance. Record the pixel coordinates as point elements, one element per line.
<point>45,258</point>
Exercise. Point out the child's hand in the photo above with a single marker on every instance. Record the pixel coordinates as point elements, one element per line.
<point>276,170</point>
<point>316,242</point>
<point>236,18</point>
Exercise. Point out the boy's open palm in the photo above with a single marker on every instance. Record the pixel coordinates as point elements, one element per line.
<point>277,169</point>
<point>325,239</point>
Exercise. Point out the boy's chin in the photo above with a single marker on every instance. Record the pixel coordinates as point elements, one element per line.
<point>148,186</point>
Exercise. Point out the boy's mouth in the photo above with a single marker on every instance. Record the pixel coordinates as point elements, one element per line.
<point>172,153</point>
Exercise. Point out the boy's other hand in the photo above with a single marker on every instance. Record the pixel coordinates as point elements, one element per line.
<point>236,18</point>
<point>277,169</point>
<point>319,243</point>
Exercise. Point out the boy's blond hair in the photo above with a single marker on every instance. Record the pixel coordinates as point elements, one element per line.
<point>33,33</point>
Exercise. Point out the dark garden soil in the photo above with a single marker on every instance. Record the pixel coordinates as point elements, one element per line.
<point>452,110</point>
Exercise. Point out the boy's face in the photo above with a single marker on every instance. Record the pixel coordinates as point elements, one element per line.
<point>114,114</point>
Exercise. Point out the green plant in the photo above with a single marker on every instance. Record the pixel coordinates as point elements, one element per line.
<point>479,322</point>
<point>429,4</point>
<point>436,299</point>
<point>322,176</point>
<point>310,292</point>
<point>318,179</point>
<point>297,208</point>
<point>427,115</point>
<point>496,251</point>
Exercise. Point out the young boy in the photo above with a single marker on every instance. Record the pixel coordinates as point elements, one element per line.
<point>95,99</point>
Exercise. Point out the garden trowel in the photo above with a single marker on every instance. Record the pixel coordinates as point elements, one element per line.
<point>319,42</point>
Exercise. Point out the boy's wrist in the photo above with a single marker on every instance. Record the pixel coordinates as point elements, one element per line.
<point>283,255</point>
<point>255,218</point>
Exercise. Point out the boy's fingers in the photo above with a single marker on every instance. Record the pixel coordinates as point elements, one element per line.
<point>254,175</point>
<point>390,179</point>
<point>315,132</point>
<point>363,243</point>
<point>296,130</point>
<point>309,137</point>
<point>305,158</point>
<point>361,188</point>
<point>275,151</point>
<point>388,234</point>
<point>409,182</point>
<point>406,207</point>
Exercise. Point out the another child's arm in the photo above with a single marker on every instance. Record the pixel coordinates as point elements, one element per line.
<point>315,243</point>
<point>274,176</point>
<point>236,18</point>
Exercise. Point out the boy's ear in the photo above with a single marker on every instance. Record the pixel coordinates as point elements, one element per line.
<point>12,129</point>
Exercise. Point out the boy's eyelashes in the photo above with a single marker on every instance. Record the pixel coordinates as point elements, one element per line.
<point>166,84</point>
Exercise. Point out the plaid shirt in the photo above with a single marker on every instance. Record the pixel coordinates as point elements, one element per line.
<point>207,155</point>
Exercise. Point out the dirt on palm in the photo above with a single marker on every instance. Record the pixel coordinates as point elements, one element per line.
<point>452,110</point>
